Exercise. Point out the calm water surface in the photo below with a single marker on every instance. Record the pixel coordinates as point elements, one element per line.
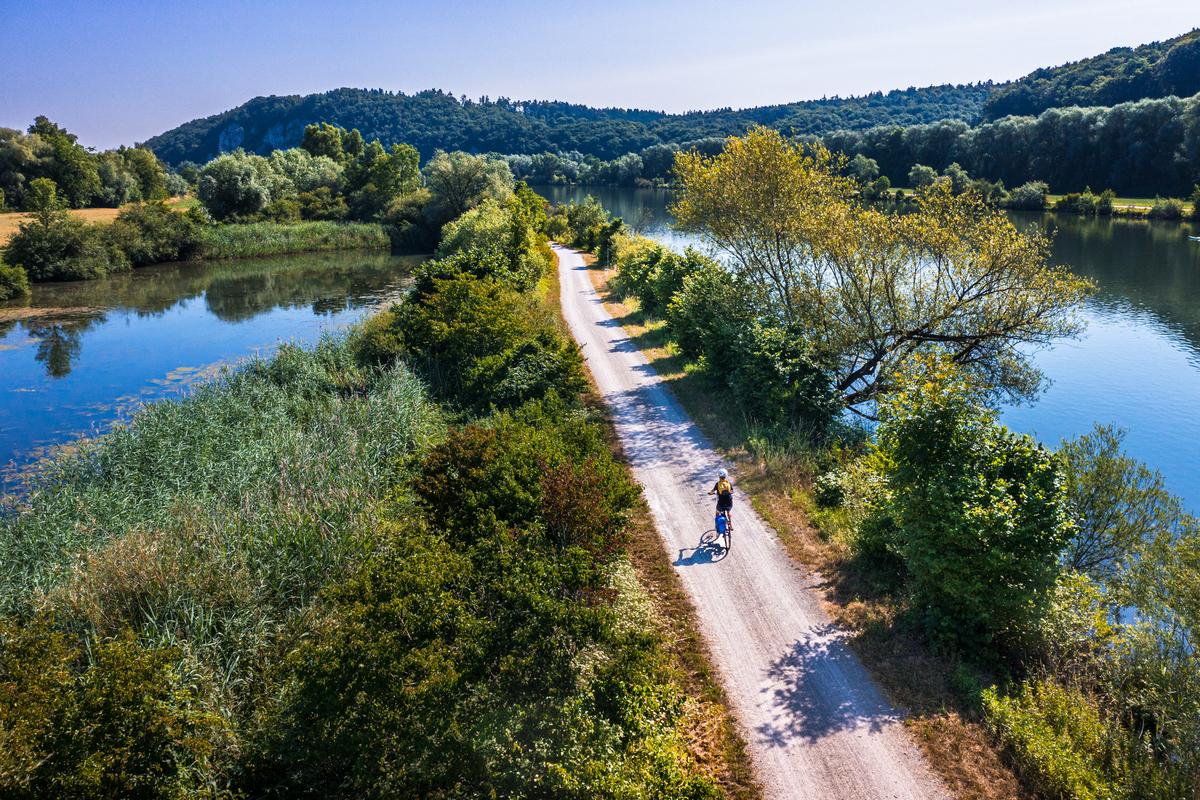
<point>1138,363</point>
<point>78,356</point>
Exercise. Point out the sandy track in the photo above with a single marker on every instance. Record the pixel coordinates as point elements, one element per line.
<point>816,724</point>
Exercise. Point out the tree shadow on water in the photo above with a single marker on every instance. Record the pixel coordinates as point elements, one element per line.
<point>818,689</point>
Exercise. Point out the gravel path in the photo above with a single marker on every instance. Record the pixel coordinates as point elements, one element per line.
<point>816,724</point>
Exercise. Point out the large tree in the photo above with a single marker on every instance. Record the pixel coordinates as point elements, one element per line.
<point>460,181</point>
<point>872,289</point>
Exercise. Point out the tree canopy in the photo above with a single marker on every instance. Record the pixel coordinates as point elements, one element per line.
<point>1158,69</point>
<point>871,290</point>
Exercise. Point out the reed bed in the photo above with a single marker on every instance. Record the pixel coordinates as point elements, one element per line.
<point>211,523</point>
<point>271,238</point>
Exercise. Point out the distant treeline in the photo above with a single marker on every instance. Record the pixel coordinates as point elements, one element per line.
<point>435,120</point>
<point>1146,148</point>
<point>1138,149</point>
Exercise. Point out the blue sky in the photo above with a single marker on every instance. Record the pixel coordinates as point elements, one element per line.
<point>117,72</point>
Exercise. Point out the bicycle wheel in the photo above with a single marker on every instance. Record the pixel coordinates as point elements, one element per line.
<point>709,537</point>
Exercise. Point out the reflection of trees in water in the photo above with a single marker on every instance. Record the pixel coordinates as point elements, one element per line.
<point>234,291</point>
<point>59,341</point>
<point>327,284</point>
<point>1149,265</point>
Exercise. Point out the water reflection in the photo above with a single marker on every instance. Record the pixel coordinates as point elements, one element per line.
<point>1140,265</point>
<point>76,356</point>
<point>57,316</point>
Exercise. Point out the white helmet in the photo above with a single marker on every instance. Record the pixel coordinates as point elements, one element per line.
<point>723,473</point>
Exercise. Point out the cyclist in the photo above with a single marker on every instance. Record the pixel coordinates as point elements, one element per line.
<point>723,489</point>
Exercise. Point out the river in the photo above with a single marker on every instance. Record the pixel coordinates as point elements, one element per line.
<point>1138,363</point>
<point>77,357</point>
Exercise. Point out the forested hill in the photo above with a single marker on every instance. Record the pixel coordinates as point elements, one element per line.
<point>1123,74</point>
<point>433,119</point>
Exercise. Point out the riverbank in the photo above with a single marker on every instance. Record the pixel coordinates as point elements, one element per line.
<point>58,247</point>
<point>10,221</point>
<point>1132,208</point>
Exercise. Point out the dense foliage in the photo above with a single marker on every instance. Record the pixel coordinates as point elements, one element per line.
<point>297,581</point>
<point>1123,74</point>
<point>961,485</point>
<point>1139,148</point>
<point>84,178</point>
<point>435,120</point>
<point>867,289</point>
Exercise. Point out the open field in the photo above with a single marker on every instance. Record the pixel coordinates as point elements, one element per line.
<point>11,221</point>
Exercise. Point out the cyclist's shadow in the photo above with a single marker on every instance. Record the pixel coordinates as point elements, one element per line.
<point>712,548</point>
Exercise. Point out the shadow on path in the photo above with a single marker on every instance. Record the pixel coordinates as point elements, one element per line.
<point>709,551</point>
<point>804,682</point>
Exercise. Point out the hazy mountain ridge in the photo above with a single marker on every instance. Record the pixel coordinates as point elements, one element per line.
<point>1123,74</point>
<point>433,119</point>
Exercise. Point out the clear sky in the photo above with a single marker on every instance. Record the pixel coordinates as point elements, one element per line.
<point>116,72</point>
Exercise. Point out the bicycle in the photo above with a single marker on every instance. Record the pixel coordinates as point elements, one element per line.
<point>723,528</point>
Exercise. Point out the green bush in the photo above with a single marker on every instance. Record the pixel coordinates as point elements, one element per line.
<point>377,341</point>
<point>504,238</point>
<point>652,273</point>
<point>540,466</point>
<point>481,345</point>
<point>780,384</point>
<point>982,513</point>
<point>54,246</point>
<point>118,721</point>
<point>13,281</point>
<point>1169,209</point>
<point>151,233</point>
<point>1029,196</point>
<point>1087,204</point>
<point>322,204</point>
<point>1058,740</point>
<point>707,318</point>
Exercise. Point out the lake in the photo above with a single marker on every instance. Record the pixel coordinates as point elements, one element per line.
<point>76,357</point>
<point>1138,363</point>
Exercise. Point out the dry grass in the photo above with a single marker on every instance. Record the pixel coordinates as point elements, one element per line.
<point>10,222</point>
<point>709,728</point>
<point>954,740</point>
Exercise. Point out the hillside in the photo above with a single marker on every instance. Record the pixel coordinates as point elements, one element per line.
<point>433,119</point>
<point>1123,74</point>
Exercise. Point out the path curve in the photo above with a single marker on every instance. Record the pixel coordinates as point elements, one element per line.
<point>816,724</point>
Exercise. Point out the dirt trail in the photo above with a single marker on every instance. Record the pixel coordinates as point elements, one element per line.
<point>816,724</point>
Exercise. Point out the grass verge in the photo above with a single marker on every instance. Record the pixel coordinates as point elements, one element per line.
<point>713,739</point>
<point>948,730</point>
